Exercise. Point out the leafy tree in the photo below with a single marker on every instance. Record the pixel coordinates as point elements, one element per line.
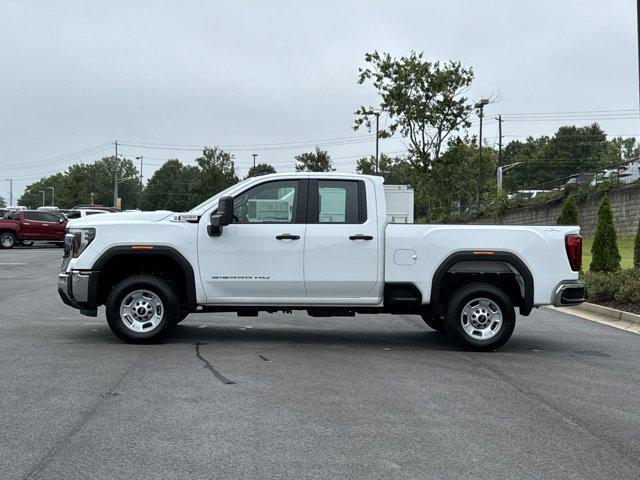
<point>547,162</point>
<point>606,257</point>
<point>423,100</point>
<point>317,161</point>
<point>260,169</point>
<point>168,188</point>
<point>88,183</point>
<point>2,203</point>
<point>395,171</point>
<point>216,173</point>
<point>636,249</point>
<point>569,214</point>
<point>454,179</point>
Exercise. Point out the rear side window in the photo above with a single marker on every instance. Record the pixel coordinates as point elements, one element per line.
<point>50,217</point>
<point>71,215</point>
<point>339,201</point>
<point>95,213</point>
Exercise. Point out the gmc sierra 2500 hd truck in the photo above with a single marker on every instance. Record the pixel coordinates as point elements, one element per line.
<point>318,242</point>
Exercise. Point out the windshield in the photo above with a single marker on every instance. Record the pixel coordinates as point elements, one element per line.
<point>213,200</point>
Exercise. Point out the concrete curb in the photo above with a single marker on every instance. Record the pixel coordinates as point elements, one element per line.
<point>610,313</point>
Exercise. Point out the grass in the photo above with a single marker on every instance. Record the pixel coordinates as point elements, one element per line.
<point>625,246</point>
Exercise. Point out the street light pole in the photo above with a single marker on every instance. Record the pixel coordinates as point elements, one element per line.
<point>42,192</point>
<point>53,194</point>
<point>480,105</point>
<point>500,171</point>
<point>254,155</point>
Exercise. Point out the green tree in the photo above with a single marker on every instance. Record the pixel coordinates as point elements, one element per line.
<point>636,249</point>
<point>605,254</point>
<point>216,173</point>
<point>260,169</point>
<point>87,183</point>
<point>2,203</point>
<point>395,171</point>
<point>569,214</point>
<point>168,188</point>
<point>422,100</point>
<point>317,161</point>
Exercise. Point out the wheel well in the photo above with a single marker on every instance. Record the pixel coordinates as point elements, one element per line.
<point>120,266</point>
<point>504,270</point>
<point>507,282</point>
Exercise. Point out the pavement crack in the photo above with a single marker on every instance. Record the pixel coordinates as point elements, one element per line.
<point>264,358</point>
<point>63,441</point>
<point>210,367</point>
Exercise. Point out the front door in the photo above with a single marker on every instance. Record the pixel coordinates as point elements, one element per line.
<point>341,248</point>
<point>258,259</point>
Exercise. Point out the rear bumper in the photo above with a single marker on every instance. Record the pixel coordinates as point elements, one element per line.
<point>78,289</point>
<point>568,293</point>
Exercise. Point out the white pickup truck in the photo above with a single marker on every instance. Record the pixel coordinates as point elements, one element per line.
<point>319,242</point>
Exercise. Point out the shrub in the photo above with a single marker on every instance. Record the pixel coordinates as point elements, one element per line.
<point>636,249</point>
<point>569,214</point>
<point>606,257</point>
<point>621,286</point>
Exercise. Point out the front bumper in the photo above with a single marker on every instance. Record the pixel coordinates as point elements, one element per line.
<point>78,289</point>
<point>568,293</point>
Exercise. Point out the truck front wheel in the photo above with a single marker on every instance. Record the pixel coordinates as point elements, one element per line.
<point>480,316</point>
<point>142,309</point>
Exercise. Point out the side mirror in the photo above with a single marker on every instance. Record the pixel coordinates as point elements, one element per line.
<point>61,220</point>
<point>222,218</point>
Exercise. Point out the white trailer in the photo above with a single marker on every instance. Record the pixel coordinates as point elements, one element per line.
<point>399,200</point>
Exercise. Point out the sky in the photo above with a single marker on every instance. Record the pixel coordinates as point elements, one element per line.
<point>276,78</point>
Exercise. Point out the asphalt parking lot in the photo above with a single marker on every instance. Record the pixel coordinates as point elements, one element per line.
<point>290,396</point>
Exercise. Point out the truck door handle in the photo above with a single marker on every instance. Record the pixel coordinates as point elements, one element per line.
<point>287,236</point>
<point>361,237</point>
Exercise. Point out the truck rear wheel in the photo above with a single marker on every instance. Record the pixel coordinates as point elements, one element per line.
<point>7,240</point>
<point>142,309</point>
<point>480,316</point>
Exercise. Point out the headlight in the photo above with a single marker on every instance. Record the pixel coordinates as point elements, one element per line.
<point>77,240</point>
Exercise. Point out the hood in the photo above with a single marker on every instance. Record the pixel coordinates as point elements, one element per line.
<point>119,217</point>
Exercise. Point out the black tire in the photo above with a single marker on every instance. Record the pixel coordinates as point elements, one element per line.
<point>7,240</point>
<point>434,321</point>
<point>453,320</point>
<point>158,287</point>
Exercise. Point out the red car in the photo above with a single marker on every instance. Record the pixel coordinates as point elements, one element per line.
<point>27,226</point>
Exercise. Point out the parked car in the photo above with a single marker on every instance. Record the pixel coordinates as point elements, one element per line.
<point>95,207</point>
<point>74,214</point>
<point>270,244</point>
<point>23,227</point>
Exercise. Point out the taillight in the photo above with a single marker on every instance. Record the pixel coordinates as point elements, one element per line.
<point>574,251</point>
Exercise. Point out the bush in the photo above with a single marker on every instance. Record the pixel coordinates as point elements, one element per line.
<point>621,286</point>
<point>636,249</point>
<point>606,257</point>
<point>569,214</point>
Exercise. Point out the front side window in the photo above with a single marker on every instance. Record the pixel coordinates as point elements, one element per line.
<point>33,216</point>
<point>272,202</point>
<point>338,201</point>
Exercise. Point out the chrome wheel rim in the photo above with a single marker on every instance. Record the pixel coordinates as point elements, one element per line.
<point>481,318</point>
<point>141,311</point>
<point>6,240</point>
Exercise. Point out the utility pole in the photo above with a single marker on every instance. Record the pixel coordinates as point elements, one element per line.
<point>10,180</point>
<point>480,105</point>
<point>499,139</point>
<point>140,195</point>
<point>115,178</point>
<point>53,194</point>
<point>254,155</point>
<point>378,137</point>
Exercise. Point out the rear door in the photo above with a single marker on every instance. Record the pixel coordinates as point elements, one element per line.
<point>341,248</point>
